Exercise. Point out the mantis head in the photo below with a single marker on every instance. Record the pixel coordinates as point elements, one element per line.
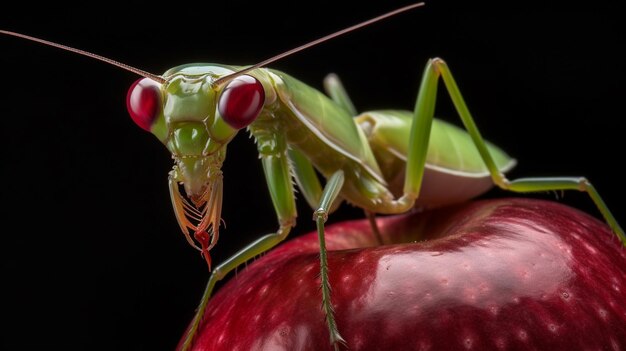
<point>195,119</point>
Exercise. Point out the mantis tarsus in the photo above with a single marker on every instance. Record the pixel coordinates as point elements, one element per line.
<point>303,218</point>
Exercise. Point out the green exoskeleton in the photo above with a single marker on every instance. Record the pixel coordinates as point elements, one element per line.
<point>384,162</point>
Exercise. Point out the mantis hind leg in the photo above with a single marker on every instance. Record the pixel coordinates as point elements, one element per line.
<point>420,131</point>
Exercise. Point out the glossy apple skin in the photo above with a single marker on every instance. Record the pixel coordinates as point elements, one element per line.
<point>514,274</point>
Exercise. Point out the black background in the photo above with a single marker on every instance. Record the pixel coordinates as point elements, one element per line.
<point>92,257</point>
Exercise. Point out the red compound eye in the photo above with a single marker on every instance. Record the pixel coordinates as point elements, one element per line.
<point>241,101</point>
<point>143,102</point>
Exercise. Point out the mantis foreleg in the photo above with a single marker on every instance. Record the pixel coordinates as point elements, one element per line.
<point>305,177</point>
<point>307,180</point>
<point>277,174</point>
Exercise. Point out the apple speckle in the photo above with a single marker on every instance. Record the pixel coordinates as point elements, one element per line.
<point>500,343</point>
<point>603,313</point>
<point>359,341</point>
<point>311,267</point>
<point>221,338</point>
<point>590,248</point>
<point>467,343</point>
<point>553,328</point>
<point>471,297</point>
<point>525,274</point>
<point>263,290</point>
<point>615,345</point>
<point>347,278</point>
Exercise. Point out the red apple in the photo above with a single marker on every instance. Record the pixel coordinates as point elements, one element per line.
<point>497,274</point>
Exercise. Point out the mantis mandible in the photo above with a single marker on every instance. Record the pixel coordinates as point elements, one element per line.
<point>362,179</point>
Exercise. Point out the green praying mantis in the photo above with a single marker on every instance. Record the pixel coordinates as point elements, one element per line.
<point>382,161</point>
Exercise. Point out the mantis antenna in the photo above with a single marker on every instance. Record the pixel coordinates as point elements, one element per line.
<point>88,54</point>
<point>229,77</point>
<point>224,79</point>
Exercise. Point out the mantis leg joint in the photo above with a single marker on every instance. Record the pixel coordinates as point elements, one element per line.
<point>437,63</point>
<point>320,213</point>
<point>502,182</point>
<point>584,184</point>
<point>217,274</point>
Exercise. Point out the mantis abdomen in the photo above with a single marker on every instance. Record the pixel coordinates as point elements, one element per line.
<point>372,149</point>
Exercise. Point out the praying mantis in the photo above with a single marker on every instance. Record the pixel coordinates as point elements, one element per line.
<point>301,220</point>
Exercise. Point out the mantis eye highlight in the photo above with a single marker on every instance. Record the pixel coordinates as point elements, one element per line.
<point>241,101</point>
<point>143,102</point>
